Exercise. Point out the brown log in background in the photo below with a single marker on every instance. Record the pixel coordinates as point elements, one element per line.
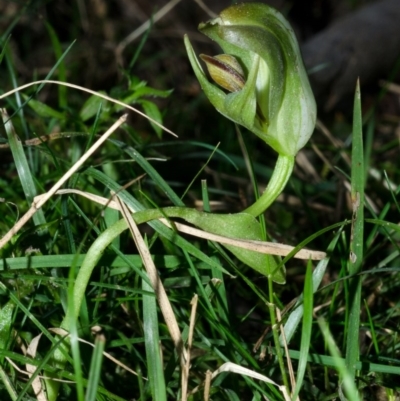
<point>365,44</point>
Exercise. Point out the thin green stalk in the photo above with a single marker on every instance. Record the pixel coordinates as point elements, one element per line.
<point>8,384</point>
<point>372,328</point>
<point>280,177</point>
<point>275,332</point>
<point>339,363</point>
<point>61,70</point>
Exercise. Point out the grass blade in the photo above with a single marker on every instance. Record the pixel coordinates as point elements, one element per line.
<point>152,343</point>
<point>357,238</point>
<point>22,165</point>
<point>95,368</point>
<point>306,329</point>
<point>62,75</point>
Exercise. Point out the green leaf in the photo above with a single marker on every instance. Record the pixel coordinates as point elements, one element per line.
<point>42,109</point>
<point>91,106</point>
<point>241,226</point>
<point>153,112</point>
<point>6,313</point>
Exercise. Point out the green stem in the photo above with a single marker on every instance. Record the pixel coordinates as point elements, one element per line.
<point>280,177</point>
<point>97,249</point>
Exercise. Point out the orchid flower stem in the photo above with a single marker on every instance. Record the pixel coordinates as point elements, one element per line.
<point>280,177</point>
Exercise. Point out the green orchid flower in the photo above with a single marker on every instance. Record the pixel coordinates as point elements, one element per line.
<point>260,83</point>
<point>263,72</point>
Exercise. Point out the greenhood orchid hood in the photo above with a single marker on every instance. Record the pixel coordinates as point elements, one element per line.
<point>261,82</point>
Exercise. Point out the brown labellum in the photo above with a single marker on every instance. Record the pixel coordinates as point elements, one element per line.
<point>226,71</point>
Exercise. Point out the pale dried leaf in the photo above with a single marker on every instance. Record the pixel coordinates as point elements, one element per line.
<point>31,369</point>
